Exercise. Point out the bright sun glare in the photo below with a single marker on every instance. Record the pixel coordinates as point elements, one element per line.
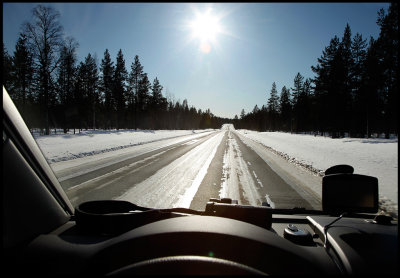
<point>205,27</point>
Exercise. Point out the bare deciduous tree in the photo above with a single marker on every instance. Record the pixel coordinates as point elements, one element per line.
<point>45,36</point>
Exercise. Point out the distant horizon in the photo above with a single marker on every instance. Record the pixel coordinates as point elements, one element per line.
<point>225,71</point>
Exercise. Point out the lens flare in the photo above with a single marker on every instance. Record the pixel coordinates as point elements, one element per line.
<point>205,27</point>
<point>205,47</point>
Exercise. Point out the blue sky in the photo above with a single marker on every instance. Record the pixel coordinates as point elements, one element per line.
<point>260,43</point>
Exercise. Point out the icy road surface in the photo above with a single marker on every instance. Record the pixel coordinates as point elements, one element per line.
<point>186,168</point>
<point>184,171</point>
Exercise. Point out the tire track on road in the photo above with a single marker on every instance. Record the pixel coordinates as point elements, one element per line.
<point>114,180</point>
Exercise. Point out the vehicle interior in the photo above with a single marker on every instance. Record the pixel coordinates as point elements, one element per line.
<point>43,234</point>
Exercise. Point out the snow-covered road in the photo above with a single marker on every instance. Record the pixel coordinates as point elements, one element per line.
<point>176,184</point>
<point>237,178</point>
<point>186,168</point>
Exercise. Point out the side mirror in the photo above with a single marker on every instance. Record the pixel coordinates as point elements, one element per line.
<point>347,192</point>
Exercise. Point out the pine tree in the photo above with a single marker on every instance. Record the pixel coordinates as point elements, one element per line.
<point>358,49</point>
<point>156,103</point>
<point>344,83</point>
<point>92,89</point>
<point>79,98</point>
<point>133,84</point>
<point>273,107</point>
<point>273,100</point>
<point>285,109</point>
<point>242,114</point>
<point>372,84</point>
<point>297,102</point>
<point>7,70</point>
<point>144,98</point>
<point>106,86</point>
<point>66,78</point>
<point>305,106</point>
<point>325,86</point>
<point>296,91</point>
<point>22,72</point>
<point>388,43</point>
<point>120,77</point>
<point>66,71</point>
<point>156,97</point>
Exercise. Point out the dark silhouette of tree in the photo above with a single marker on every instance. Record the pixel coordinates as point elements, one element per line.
<point>86,94</point>
<point>298,87</point>
<point>344,84</point>
<point>67,71</point>
<point>133,80</point>
<point>358,49</point>
<point>6,71</point>
<point>285,108</point>
<point>273,108</point>
<point>106,87</point>
<point>79,97</point>
<point>304,105</point>
<point>119,89</point>
<point>22,75</point>
<point>44,36</point>
<point>143,99</point>
<point>157,105</point>
<point>66,81</point>
<point>325,84</point>
<point>372,102</point>
<point>388,52</point>
<point>91,90</point>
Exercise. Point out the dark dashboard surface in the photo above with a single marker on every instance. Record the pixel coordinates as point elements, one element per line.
<point>190,244</point>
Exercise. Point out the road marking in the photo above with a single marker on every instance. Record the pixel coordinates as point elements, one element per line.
<point>191,142</point>
<point>258,180</point>
<point>187,198</point>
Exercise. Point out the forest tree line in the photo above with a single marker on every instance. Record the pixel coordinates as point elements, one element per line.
<point>354,91</point>
<point>52,89</point>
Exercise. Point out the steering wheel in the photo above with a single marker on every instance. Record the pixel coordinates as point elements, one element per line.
<point>187,265</point>
<point>202,245</point>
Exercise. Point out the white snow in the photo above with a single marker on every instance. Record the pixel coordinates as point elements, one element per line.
<point>63,147</point>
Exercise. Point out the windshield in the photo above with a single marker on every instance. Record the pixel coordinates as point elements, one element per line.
<point>170,104</point>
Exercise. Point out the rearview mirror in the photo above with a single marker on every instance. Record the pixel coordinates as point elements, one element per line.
<point>347,192</point>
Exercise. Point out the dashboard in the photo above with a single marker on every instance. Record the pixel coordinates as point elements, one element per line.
<point>194,244</point>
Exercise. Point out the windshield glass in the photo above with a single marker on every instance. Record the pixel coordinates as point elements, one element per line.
<point>170,104</point>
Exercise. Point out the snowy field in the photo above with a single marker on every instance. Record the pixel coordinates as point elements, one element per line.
<point>64,147</point>
<point>375,157</point>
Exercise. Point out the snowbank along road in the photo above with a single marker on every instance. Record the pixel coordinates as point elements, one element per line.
<point>187,172</point>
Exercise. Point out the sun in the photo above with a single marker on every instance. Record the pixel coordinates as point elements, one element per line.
<point>205,27</point>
